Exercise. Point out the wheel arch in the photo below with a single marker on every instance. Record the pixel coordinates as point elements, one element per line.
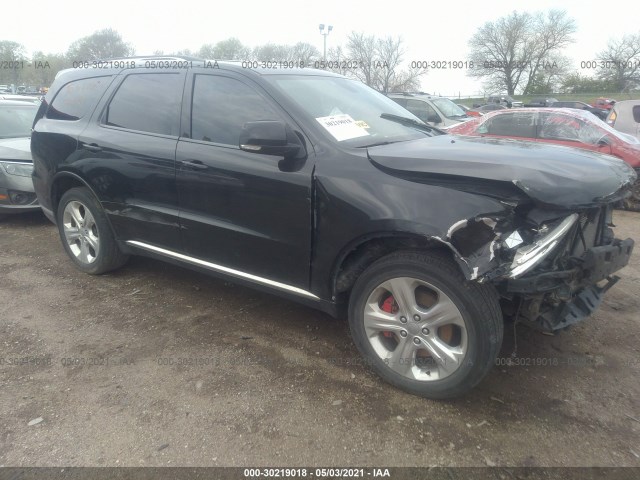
<point>63,182</point>
<point>361,252</point>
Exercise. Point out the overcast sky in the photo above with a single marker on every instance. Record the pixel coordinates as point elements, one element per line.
<point>430,30</point>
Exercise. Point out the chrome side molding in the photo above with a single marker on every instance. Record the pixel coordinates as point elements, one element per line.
<point>223,269</point>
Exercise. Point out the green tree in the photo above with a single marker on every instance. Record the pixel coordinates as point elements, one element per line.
<point>578,83</point>
<point>12,52</point>
<point>102,44</point>
<point>229,49</point>
<point>45,68</point>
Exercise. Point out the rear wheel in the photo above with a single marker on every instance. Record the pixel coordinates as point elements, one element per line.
<point>86,233</point>
<point>422,326</point>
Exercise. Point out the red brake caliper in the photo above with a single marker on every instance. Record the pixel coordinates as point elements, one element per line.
<point>389,306</point>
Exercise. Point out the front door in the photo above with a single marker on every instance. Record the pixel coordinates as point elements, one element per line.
<point>244,211</point>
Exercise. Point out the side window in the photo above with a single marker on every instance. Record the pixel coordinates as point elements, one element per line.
<point>400,101</point>
<point>147,102</point>
<point>636,113</point>
<point>422,110</point>
<point>222,105</point>
<point>555,126</point>
<point>74,100</point>
<point>517,124</point>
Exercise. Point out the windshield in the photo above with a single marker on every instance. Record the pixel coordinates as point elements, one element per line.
<point>349,111</point>
<point>448,108</point>
<point>16,120</point>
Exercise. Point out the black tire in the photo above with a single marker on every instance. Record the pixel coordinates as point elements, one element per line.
<point>107,255</point>
<point>478,316</point>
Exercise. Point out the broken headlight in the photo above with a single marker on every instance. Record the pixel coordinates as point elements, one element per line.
<point>530,255</point>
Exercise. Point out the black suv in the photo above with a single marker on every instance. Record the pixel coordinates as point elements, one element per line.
<point>316,187</point>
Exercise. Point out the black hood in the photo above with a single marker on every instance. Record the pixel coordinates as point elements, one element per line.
<point>548,174</point>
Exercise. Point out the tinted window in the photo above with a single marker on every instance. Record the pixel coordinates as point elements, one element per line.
<point>74,99</point>
<point>148,102</point>
<point>555,126</point>
<point>518,124</point>
<point>422,110</point>
<point>221,107</point>
<point>636,113</point>
<point>400,101</point>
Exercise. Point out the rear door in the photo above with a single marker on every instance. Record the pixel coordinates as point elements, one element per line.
<point>249,212</point>
<point>128,153</point>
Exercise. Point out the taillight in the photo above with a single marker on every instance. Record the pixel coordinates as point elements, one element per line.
<point>612,118</point>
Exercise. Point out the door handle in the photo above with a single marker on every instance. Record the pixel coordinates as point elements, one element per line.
<point>92,147</point>
<point>194,164</point>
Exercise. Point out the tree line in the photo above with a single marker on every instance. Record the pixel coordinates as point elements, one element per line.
<point>373,60</point>
<point>520,53</point>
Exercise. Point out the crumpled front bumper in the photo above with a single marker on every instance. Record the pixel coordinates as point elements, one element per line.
<point>576,292</point>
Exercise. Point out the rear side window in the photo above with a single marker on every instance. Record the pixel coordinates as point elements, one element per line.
<point>147,102</point>
<point>520,124</point>
<point>636,113</point>
<point>422,110</point>
<point>400,101</point>
<point>74,100</point>
<point>221,107</point>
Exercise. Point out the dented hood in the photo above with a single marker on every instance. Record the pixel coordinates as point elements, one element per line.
<point>553,175</point>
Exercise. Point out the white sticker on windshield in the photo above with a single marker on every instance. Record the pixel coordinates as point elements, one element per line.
<point>342,127</point>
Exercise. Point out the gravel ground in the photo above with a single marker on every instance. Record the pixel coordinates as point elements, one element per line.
<point>155,365</point>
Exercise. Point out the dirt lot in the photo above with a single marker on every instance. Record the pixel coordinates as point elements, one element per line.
<point>155,365</point>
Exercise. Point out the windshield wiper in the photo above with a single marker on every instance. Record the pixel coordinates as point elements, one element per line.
<point>380,143</point>
<point>410,122</point>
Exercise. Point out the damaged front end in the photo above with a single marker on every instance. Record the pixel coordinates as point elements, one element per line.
<point>550,251</point>
<point>551,268</point>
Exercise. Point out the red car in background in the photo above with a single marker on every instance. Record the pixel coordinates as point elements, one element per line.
<point>571,128</point>
<point>604,103</point>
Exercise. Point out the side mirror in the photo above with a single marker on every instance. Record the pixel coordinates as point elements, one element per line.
<point>604,142</point>
<point>435,119</point>
<point>268,137</point>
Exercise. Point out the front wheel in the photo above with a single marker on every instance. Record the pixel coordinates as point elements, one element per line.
<point>422,326</point>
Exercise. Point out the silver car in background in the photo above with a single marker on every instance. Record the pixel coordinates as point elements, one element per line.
<point>625,117</point>
<point>436,111</point>
<point>16,166</point>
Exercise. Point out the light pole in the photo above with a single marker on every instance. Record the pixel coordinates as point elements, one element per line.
<point>324,33</point>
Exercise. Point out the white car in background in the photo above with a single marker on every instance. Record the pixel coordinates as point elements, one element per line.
<point>625,117</point>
